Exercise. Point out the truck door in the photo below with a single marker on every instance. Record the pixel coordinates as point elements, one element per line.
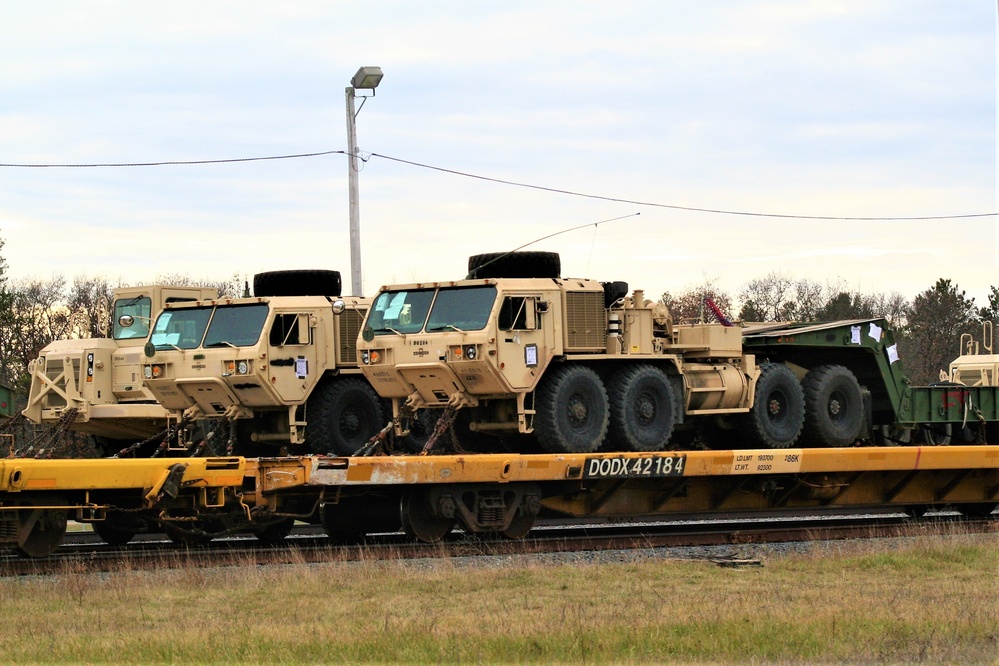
<point>292,343</point>
<point>525,338</point>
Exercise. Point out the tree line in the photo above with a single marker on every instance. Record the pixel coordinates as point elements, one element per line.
<point>927,328</point>
<point>34,312</point>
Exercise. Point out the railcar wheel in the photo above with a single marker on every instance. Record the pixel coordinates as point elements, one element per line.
<point>519,526</point>
<point>342,527</point>
<point>572,411</point>
<point>297,283</point>
<point>342,414</point>
<point>113,534</point>
<point>642,410</point>
<point>420,521</point>
<point>834,407</point>
<point>274,534</point>
<point>45,531</point>
<point>982,510</point>
<point>778,412</point>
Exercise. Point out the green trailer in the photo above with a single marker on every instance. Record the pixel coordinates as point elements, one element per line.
<point>6,402</point>
<point>895,411</point>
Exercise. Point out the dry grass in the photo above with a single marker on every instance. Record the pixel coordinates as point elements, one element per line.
<point>932,599</point>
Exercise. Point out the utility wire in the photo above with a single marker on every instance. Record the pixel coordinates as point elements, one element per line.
<point>500,181</point>
<point>145,164</point>
<point>675,207</point>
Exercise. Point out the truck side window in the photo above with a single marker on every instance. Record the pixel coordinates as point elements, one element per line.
<point>289,329</point>
<point>518,313</point>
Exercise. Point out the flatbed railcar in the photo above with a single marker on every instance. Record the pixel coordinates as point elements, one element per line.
<point>194,500</point>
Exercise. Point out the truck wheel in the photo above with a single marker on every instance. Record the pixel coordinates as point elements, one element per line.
<point>297,283</point>
<point>778,412</point>
<point>274,534</point>
<point>572,411</point>
<point>834,407</point>
<point>515,265</point>
<point>342,415</point>
<point>938,434</point>
<point>642,410</point>
<point>421,426</point>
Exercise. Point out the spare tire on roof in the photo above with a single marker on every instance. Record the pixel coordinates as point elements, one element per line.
<point>297,283</point>
<point>515,265</point>
<point>613,292</point>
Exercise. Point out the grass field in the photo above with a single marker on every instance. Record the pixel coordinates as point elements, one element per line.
<point>914,599</point>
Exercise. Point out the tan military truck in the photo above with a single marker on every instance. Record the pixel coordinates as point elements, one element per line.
<point>100,379</point>
<point>574,364</point>
<point>280,367</point>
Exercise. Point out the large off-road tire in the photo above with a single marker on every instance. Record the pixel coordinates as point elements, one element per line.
<point>515,265</point>
<point>572,410</point>
<point>933,434</point>
<point>778,412</point>
<point>342,414</point>
<point>642,410</point>
<point>613,292</point>
<point>297,283</point>
<point>420,427</point>
<point>834,407</point>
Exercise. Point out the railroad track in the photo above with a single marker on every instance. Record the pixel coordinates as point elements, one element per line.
<point>84,552</point>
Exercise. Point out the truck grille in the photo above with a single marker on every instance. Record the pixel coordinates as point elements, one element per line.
<point>350,328</point>
<point>54,368</point>
<point>586,322</point>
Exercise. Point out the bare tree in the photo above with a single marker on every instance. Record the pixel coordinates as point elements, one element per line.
<point>771,298</point>
<point>235,287</point>
<point>689,304</point>
<point>84,306</point>
<point>35,318</point>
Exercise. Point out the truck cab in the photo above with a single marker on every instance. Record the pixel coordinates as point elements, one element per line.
<point>255,361</point>
<point>101,378</point>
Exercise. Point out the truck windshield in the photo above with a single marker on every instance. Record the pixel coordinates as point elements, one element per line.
<point>454,308</point>
<point>180,329</point>
<point>140,309</point>
<point>231,326</point>
<point>461,308</point>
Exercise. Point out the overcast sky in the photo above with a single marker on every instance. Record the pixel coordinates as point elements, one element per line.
<point>795,107</point>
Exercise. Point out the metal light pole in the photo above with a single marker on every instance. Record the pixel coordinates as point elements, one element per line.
<point>366,78</point>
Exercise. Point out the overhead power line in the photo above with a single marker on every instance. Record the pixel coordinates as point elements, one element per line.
<point>513,183</point>
<point>177,163</point>
<point>677,207</point>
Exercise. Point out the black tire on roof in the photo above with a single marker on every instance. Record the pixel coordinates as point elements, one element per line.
<point>515,265</point>
<point>297,283</point>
